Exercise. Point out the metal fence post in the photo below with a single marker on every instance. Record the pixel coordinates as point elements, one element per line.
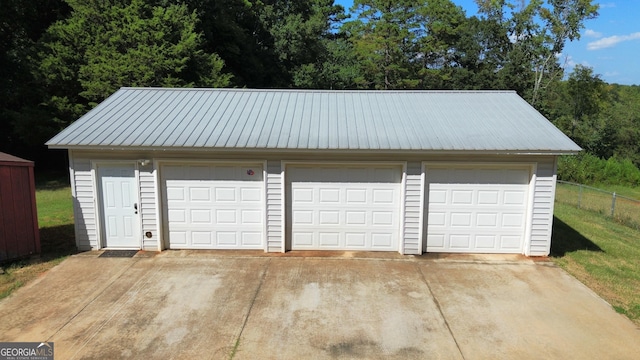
<point>579,195</point>
<point>613,203</point>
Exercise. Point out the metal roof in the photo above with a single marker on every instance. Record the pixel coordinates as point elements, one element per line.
<point>241,119</point>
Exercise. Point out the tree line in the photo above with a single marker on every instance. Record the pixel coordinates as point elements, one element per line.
<point>59,58</point>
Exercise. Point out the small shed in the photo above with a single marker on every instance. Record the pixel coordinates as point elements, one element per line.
<point>280,170</point>
<point>19,234</point>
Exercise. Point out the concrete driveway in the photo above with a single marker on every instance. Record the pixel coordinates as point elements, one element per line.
<point>221,305</point>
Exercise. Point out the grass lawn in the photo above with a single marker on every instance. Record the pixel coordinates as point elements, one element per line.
<point>55,218</point>
<point>626,211</point>
<point>603,254</point>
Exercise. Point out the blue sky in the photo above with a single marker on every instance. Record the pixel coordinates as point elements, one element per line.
<point>610,43</point>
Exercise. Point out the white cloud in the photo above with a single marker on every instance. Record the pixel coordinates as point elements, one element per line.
<point>607,5</point>
<point>611,73</point>
<point>593,34</point>
<point>610,41</point>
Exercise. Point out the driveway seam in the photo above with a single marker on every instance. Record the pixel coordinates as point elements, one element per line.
<point>104,288</point>
<point>246,318</point>
<point>116,307</point>
<point>435,300</point>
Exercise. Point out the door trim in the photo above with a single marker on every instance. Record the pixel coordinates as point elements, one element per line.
<point>97,190</point>
<point>532,166</point>
<point>286,206</point>
<point>161,201</point>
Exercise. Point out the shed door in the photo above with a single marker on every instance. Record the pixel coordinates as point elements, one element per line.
<point>209,206</point>
<point>344,208</point>
<point>119,208</point>
<point>477,210</point>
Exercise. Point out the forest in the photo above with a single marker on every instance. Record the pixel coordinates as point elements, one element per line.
<point>59,58</point>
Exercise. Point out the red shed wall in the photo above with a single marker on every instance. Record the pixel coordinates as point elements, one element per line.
<point>19,234</point>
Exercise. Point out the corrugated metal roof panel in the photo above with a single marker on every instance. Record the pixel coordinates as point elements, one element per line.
<point>315,120</point>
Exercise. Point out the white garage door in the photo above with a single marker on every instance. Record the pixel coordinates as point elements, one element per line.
<point>477,210</point>
<point>213,206</point>
<point>344,208</point>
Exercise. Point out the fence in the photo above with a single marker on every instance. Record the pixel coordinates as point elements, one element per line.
<point>622,209</point>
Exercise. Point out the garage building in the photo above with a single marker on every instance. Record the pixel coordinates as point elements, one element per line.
<point>280,170</point>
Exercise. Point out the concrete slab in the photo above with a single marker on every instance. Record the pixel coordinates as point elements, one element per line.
<point>345,309</point>
<point>527,311</point>
<point>221,305</point>
<point>151,309</point>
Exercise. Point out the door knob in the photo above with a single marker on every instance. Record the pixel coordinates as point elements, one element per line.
<point>135,207</point>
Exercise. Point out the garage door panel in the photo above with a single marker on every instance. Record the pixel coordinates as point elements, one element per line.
<point>249,217</point>
<point>201,216</point>
<point>381,240</point>
<point>213,207</point>
<point>174,193</point>
<point>486,242</point>
<point>356,240</point>
<point>488,197</point>
<point>356,196</point>
<point>201,238</point>
<point>460,219</point>
<point>461,197</point>
<point>329,217</point>
<point>178,238</point>
<point>487,220</point>
<point>511,242</point>
<point>344,208</point>
<point>330,196</point>
<point>460,241</point>
<point>513,220</point>
<point>514,197</point>
<point>355,218</point>
<point>384,196</point>
<point>251,239</point>
<point>178,216</point>
<point>329,240</point>
<point>476,209</point>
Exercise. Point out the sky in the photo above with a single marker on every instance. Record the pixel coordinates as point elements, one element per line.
<point>610,43</point>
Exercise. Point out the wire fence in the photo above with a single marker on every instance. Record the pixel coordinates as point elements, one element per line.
<point>622,209</point>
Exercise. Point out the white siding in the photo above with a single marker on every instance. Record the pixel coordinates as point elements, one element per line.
<point>84,205</point>
<point>148,208</point>
<point>274,207</point>
<point>413,195</point>
<point>543,198</point>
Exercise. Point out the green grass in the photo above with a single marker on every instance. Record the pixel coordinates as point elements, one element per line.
<point>602,254</point>
<point>630,192</point>
<point>55,218</point>
<point>625,212</point>
<point>55,207</point>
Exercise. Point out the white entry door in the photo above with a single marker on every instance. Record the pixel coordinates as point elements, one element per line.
<point>344,208</point>
<point>118,199</point>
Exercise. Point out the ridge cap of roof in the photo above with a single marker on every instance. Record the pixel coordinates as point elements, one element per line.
<point>283,90</point>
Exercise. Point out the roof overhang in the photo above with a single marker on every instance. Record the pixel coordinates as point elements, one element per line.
<point>351,152</point>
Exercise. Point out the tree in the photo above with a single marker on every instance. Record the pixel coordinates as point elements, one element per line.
<point>384,36</point>
<point>109,44</point>
<point>21,25</point>
<point>537,32</point>
<point>268,43</point>
<point>441,48</point>
<point>337,69</point>
<point>586,92</point>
